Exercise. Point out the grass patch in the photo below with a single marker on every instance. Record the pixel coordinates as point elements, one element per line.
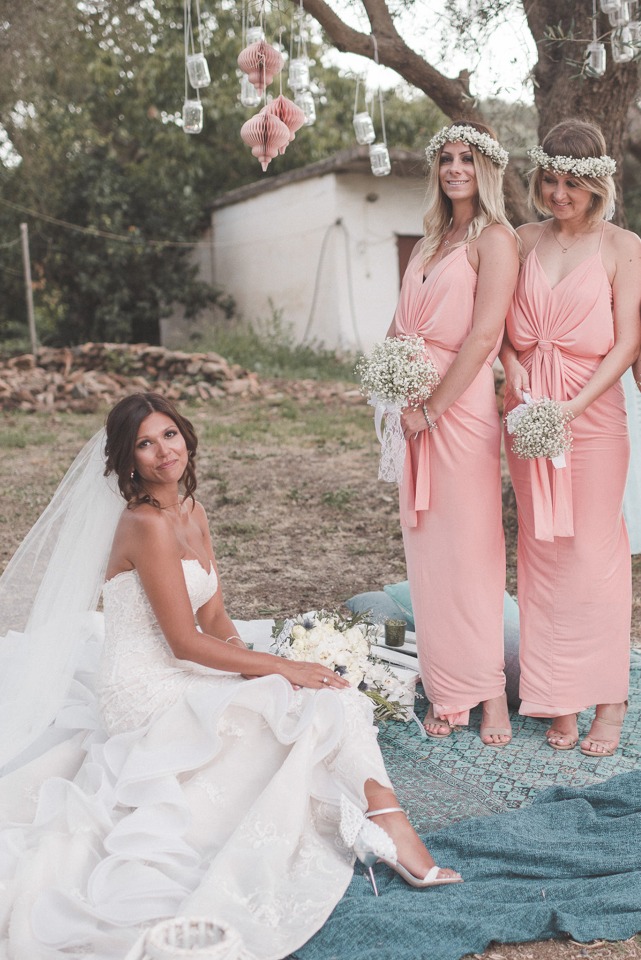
<point>269,348</point>
<point>339,498</point>
<point>310,424</point>
<point>237,528</point>
<point>25,435</point>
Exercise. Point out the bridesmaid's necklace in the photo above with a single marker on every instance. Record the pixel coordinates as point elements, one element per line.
<point>447,242</point>
<point>564,249</point>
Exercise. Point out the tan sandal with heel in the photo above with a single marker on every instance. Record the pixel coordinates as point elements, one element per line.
<point>570,742</point>
<point>593,740</point>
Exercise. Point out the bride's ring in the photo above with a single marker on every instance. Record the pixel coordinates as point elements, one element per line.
<point>325,680</point>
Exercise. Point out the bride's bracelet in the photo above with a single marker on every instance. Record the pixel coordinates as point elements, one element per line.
<point>431,424</point>
<point>234,636</point>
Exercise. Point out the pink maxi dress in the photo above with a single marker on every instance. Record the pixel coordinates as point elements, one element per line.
<point>574,568</point>
<point>450,505</point>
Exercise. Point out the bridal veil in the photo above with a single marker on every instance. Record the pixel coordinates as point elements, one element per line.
<point>49,593</point>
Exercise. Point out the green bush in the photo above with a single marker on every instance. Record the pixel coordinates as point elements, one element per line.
<point>268,347</point>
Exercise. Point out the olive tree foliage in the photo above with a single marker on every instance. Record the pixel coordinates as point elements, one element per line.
<point>561,30</point>
<point>91,95</point>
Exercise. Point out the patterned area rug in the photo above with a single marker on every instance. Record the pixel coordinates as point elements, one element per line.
<point>441,781</point>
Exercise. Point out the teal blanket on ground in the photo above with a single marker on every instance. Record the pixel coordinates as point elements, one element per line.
<point>570,862</point>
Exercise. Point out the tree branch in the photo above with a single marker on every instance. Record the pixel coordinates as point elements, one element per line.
<point>447,93</point>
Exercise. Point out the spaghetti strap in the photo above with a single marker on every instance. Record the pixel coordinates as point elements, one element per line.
<point>545,226</point>
<point>601,240</point>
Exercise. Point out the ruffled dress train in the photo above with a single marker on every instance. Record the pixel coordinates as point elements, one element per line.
<point>190,792</point>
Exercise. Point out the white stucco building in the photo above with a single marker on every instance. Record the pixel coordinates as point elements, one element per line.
<point>325,244</point>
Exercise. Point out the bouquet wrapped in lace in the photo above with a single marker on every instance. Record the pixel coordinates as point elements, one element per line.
<point>345,646</point>
<point>540,428</point>
<point>398,372</point>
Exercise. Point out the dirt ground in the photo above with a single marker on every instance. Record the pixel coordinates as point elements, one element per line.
<point>298,516</point>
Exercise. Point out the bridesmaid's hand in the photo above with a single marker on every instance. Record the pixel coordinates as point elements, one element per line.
<point>413,421</point>
<point>517,380</point>
<point>571,409</point>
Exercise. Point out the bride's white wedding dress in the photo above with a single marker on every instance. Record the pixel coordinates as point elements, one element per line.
<point>172,789</point>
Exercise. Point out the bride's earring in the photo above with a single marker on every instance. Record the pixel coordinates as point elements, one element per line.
<point>132,474</point>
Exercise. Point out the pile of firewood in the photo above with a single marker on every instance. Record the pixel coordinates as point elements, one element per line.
<point>88,376</point>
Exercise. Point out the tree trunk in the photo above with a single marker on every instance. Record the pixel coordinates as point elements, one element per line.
<point>562,92</point>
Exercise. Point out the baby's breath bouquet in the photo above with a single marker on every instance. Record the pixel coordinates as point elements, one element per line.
<point>344,645</point>
<point>397,372</point>
<point>540,428</point>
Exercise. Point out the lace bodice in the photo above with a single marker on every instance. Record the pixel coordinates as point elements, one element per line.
<point>139,672</point>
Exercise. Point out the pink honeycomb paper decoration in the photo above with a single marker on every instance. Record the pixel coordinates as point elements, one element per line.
<point>287,111</point>
<point>265,134</point>
<point>261,62</point>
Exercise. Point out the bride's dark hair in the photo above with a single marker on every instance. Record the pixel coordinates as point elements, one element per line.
<point>123,423</point>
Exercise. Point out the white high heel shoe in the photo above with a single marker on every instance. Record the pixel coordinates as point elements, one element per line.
<point>371,844</point>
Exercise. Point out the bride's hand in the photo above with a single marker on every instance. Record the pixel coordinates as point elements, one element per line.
<point>300,673</point>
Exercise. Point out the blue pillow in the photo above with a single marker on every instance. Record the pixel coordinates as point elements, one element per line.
<point>394,601</point>
<point>400,594</point>
<point>378,604</point>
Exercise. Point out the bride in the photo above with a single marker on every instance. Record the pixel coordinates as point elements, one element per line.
<point>153,766</point>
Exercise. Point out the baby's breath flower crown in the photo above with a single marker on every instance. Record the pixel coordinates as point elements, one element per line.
<point>578,166</point>
<point>461,133</point>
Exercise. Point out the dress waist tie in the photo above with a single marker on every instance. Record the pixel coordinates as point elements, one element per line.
<point>551,488</point>
<point>415,489</point>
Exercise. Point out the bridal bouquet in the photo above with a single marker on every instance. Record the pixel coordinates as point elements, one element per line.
<point>398,372</point>
<point>345,646</point>
<point>539,428</point>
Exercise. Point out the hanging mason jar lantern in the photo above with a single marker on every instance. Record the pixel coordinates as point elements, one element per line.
<point>298,74</point>
<point>622,45</point>
<point>364,128</point>
<point>198,70</point>
<point>255,34</point>
<point>610,6</point>
<point>379,160</point>
<point>305,100</point>
<point>192,116</point>
<point>249,95</point>
<point>596,61</point>
<point>635,33</point>
<point>620,16</point>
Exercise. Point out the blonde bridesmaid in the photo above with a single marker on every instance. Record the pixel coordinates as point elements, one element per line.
<point>572,330</point>
<point>455,294</point>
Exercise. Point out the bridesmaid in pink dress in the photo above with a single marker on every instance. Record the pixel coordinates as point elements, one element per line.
<point>455,294</point>
<point>572,331</point>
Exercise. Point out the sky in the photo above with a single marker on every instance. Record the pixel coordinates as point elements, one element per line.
<point>500,68</point>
